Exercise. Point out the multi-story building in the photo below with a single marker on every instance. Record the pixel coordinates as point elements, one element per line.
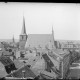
<point>70,45</point>
<point>60,60</point>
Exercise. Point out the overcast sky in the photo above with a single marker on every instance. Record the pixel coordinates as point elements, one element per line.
<point>39,18</point>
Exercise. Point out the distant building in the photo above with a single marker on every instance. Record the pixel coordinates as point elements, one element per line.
<point>70,45</point>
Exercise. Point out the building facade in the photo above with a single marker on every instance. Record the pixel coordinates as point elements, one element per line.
<point>70,45</point>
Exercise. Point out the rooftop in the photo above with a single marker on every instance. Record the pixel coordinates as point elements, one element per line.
<point>38,40</point>
<point>6,60</point>
<point>51,75</point>
<point>60,52</point>
<point>18,73</point>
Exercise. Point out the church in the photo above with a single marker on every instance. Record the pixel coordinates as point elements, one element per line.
<point>36,40</point>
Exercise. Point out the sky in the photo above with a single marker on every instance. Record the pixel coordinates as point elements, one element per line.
<point>39,19</point>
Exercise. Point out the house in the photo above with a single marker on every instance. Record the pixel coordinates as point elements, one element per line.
<point>61,61</point>
<point>50,67</point>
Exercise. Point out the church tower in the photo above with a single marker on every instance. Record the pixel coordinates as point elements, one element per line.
<point>23,36</point>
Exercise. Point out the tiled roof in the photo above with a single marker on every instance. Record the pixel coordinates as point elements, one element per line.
<point>60,52</point>
<point>34,40</point>
<point>47,59</point>
<point>52,75</point>
<point>50,64</point>
<point>18,73</point>
<point>39,65</point>
<point>5,60</point>
<point>18,64</point>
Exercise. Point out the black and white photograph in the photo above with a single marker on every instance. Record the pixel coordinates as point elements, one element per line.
<point>39,40</point>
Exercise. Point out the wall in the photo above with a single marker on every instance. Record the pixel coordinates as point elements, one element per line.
<point>66,64</point>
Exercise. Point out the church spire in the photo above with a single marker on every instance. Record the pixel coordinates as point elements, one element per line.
<point>13,39</point>
<point>23,27</point>
<point>23,36</point>
<point>53,37</point>
<point>52,31</point>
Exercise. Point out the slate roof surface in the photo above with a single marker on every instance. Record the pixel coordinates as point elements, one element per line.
<point>34,40</point>
<point>18,64</point>
<point>18,73</point>
<point>58,53</point>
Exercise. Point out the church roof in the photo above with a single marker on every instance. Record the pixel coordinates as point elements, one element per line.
<point>39,40</point>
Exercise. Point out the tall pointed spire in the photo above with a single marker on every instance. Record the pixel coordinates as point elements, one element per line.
<point>53,37</point>
<point>52,31</point>
<point>13,39</point>
<point>23,36</point>
<point>23,27</point>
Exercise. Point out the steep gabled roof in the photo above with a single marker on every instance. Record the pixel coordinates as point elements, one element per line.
<point>18,73</point>
<point>39,40</point>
